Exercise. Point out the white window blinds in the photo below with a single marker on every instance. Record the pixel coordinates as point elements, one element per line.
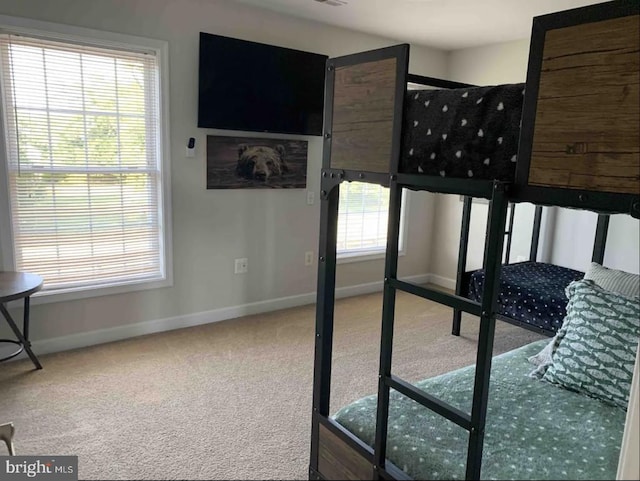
<point>362,218</point>
<point>83,163</point>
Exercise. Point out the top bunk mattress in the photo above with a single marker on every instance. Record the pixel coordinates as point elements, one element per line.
<point>465,133</point>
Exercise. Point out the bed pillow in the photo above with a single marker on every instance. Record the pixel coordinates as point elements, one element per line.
<point>614,280</point>
<point>595,349</point>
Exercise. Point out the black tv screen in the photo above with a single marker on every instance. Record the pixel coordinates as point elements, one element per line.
<point>255,87</point>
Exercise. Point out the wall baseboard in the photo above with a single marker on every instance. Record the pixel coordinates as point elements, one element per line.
<point>101,336</point>
<point>443,281</point>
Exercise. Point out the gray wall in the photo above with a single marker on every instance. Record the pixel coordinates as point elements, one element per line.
<point>573,241</point>
<point>212,227</point>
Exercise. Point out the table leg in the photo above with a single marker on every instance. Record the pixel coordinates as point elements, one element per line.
<point>25,319</point>
<point>6,435</point>
<point>22,338</point>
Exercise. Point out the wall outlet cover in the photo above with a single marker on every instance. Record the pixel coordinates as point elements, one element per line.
<point>241,266</point>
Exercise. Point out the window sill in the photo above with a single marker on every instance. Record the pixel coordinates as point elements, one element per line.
<point>73,294</point>
<point>364,256</point>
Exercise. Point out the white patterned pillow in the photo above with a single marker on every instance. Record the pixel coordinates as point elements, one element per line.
<point>595,349</point>
<point>614,280</point>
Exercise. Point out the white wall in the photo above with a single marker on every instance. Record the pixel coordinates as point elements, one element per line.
<point>573,241</point>
<point>490,64</point>
<point>273,228</point>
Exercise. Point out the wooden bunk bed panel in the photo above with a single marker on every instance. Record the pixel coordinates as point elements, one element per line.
<point>337,460</point>
<point>363,115</point>
<point>588,108</point>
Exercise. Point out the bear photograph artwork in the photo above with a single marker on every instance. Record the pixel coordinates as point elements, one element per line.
<point>243,162</point>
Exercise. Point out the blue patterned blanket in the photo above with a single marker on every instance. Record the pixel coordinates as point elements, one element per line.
<point>531,292</point>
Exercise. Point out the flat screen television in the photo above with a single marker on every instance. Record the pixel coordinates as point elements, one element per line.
<point>256,87</point>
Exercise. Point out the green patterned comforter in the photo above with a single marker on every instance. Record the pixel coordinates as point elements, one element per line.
<point>535,430</point>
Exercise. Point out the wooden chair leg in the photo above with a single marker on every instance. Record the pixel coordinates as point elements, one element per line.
<point>6,435</point>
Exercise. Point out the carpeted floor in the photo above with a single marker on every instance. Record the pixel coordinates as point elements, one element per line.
<point>230,400</point>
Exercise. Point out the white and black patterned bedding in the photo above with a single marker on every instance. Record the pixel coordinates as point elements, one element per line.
<point>531,292</point>
<point>469,133</point>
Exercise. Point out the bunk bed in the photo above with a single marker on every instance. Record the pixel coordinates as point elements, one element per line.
<point>531,293</point>
<point>566,156</point>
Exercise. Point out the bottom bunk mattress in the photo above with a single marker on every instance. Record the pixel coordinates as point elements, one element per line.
<point>530,292</point>
<point>534,430</point>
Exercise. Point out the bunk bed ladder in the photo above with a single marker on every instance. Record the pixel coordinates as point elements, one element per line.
<point>462,260</point>
<point>386,338</point>
<point>509,233</point>
<point>325,305</point>
<point>475,422</point>
<point>492,254</point>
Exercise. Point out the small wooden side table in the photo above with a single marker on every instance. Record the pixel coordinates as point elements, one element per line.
<point>6,434</point>
<point>13,286</point>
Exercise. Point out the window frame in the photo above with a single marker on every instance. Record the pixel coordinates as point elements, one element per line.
<point>346,257</point>
<point>99,38</point>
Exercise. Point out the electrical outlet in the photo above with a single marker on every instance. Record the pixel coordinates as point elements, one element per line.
<point>311,197</point>
<point>308,258</point>
<point>241,266</point>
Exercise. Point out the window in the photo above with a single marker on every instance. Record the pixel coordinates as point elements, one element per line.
<point>362,220</point>
<point>84,164</point>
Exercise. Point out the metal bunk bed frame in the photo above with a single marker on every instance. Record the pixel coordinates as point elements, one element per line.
<point>494,191</point>
<point>336,453</point>
<point>599,245</point>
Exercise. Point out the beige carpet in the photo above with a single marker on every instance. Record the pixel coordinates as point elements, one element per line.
<point>230,400</point>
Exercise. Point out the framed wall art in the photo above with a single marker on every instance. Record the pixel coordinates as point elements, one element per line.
<point>256,163</point>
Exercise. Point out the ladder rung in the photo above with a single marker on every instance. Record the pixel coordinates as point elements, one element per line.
<point>451,300</point>
<point>444,409</point>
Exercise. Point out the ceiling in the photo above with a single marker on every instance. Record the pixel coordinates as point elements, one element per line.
<point>443,24</point>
